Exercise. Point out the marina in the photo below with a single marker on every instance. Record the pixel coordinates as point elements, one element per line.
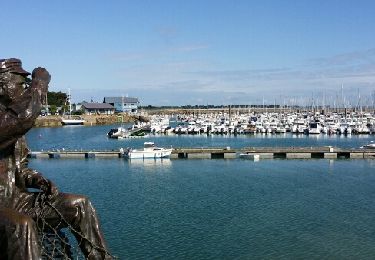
<point>231,121</point>
<point>243,180</point>
<point>220,188</point>
<point>194,130</point>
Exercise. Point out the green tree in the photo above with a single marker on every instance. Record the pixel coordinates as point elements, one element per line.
<point>53,109</point>
<point>56,98</point>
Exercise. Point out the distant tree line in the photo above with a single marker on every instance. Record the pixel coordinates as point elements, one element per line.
<point>56,98</point>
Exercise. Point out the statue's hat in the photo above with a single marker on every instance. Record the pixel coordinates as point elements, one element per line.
<point>12,65</point>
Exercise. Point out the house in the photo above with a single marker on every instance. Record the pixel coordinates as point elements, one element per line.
<point>123,104</point>
<point>77,107</point>
<point>97,108</point>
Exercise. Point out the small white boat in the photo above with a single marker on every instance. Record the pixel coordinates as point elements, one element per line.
<point>149,151</point>
<point>371,145</point>
<point>72,121</point>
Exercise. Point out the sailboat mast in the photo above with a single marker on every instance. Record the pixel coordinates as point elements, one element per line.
<point>342,96</point>
<point>122,103</point>
<point>70,103</point>
<point>47,104</point>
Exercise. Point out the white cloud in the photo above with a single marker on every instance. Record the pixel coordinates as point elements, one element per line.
<point>180,81</point>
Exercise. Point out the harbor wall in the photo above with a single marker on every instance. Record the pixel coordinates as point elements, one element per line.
<point>55,121</point>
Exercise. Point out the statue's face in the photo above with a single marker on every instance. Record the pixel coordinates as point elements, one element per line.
<point>13,85</point>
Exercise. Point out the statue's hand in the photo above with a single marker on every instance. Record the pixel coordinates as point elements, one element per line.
<point>40,79</point>
<point>45,185</point>
<point>41,74</point>
<point>52,191</point>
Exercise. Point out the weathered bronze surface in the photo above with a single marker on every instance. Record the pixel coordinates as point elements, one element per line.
<point>20,209</point>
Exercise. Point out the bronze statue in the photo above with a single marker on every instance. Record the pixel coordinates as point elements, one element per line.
<point>21,210</point>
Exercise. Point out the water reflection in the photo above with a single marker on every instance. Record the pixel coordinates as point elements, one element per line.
<point>295,136</point>
<point>150,163</point>
<point>331,166</point>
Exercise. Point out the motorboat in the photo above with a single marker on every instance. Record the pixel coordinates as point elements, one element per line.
<point>149,151</point>
<point>371,145</point>
<point>122,133</point>
<point>118,133</point>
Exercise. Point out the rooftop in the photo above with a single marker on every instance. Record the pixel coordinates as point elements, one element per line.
<point>113,100</point>
<point>97,106</point>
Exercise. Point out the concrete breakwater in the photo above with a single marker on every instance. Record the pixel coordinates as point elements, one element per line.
<point>54,121</point>
<point>227,153</point>
<point>47,121</point>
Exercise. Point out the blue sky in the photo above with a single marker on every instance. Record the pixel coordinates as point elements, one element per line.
<point>197,52</point>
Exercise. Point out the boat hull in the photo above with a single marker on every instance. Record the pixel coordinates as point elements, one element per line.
<point>139,154</point>
<point>72,122</point>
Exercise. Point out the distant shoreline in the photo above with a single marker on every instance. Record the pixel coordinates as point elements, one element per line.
<point>55,121</point>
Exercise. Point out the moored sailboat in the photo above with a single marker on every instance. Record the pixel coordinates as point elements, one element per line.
<point>71,120</point>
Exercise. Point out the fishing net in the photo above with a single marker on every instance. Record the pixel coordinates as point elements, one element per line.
<point>57,243</point>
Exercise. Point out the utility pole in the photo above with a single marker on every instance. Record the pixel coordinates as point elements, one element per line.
<point>47,110</point>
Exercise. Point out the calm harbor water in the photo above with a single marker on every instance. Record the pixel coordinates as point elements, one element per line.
<point>79,137</point>
<point>220,209</point>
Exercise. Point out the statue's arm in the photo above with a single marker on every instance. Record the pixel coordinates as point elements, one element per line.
<point>33,179</point>
<point>19,116</point>
<point>27,106</point>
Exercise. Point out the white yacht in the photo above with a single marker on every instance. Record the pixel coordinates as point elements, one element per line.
<point>149,151</point>
<point>299,126</point>
<point>314,128</point>
<point>344,129</point>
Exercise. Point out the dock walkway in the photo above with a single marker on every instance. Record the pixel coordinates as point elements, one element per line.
<point>226,153</point>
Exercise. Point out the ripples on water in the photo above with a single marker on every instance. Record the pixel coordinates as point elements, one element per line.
<point>221,209</point>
